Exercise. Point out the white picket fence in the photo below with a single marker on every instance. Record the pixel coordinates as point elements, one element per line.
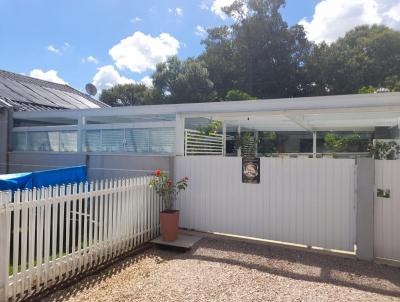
<point>50,234</point>
<point>197,143</point>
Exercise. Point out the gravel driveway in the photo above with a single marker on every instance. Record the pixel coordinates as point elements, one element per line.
<point>227,270</point>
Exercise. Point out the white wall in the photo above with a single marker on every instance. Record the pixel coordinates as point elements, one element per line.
<point>387,210</point>
<point>303,201</point>
<point>100,165</point>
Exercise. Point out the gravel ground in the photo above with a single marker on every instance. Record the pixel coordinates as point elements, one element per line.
<point>227,270</point>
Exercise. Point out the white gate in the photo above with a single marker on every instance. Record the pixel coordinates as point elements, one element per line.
<point>301,201</point>
<point>387,210</point>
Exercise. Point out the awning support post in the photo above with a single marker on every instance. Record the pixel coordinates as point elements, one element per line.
<point>314,144</point>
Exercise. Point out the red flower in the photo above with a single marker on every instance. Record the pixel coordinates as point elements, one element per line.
<point>158,172</point>
<point>169,183</point>
<point>186,178</point>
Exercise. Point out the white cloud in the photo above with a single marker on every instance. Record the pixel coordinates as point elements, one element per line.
<point>90,59</point>
<point>66,44</point>
<point>200,31</point>
<point>176,11</point>
<point>136,20</point>
<point>147,81</point>
<point>140,52</point>
<point>51,48</point>
<point>333,18</point>
<point>107,76</point>
<point>218,5</point>
<point>50,75</point>
<point>394,14</point>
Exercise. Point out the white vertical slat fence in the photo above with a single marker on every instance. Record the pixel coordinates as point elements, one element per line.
<point>387,210</point>
<point>50,234</point>
<point>303,201</point>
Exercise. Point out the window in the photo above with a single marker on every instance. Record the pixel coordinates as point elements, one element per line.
<point>137,140</point>
<point>163,140</point>
<point>112,140</point>
<point>93,140</point>
<point>68,141</point>
<point>20,141</point>
<point>44,141</point>
<point>48,141</point>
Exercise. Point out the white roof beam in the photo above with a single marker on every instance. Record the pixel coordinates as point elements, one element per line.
<point>299,120</point>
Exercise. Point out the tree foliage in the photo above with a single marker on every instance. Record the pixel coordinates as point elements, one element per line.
<point>259,53</point>
<point>364,57</point>
<point>127,95</point>
<point>183,81</point>
<point>238,95</point>
<point>260,56</point>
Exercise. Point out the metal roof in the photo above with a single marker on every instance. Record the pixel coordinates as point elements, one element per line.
<point>25,93</point>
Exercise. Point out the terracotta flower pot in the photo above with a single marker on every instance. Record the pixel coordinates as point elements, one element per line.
<point>169,225</point>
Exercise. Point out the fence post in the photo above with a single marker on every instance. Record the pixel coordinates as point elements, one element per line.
<point>365,208</point>
<point>4,255</point>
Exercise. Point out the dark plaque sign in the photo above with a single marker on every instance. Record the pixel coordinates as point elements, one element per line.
<point>251,170</point>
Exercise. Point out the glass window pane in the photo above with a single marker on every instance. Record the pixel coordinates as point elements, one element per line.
<point>68,141</point>
<point>93,140</point>
<point>137,140</point>
<point>20,140</point>
<point>112,140</point>
<point>44,141</point>
<point>163,140</point>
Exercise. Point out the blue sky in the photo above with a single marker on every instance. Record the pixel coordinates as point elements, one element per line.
<point>80,41</point>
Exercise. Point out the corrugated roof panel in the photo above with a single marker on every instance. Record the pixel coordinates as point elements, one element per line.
<point>26,94</point>
<point>73,103</point>
<point>82,100</point>
<point>6,92</point>
<point>42,94</point>
<point>54,98</point>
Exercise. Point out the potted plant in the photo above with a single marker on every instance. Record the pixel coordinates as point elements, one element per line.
<point>168,191</point>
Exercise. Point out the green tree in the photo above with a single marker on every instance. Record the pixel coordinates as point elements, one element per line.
<point>127,95</point>
<point>219,59</point>
<point>259,53</point>
<point>183,81</point>
<point>392,83</point>
<point>238,95</point>
<point>364,57</point>
<point>366,90</point>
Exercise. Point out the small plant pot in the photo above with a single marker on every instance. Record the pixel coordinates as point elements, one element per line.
<point>169,225</point>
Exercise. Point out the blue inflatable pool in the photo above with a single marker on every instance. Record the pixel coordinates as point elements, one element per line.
<point>45,178</point>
